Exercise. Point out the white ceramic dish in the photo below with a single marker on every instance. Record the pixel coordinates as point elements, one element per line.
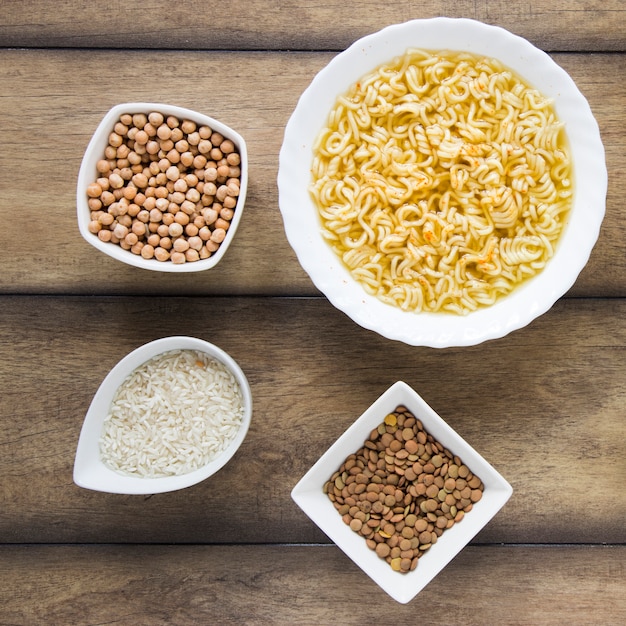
<point>302,224</point>
<point>310,498</point>
<point>87,174</point>
<point>91,473</point>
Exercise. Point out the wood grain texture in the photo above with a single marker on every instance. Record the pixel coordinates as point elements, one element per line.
<point>302,585</point>
<point>545,406</point>
<point>52,101</point>
<point>293,25</point>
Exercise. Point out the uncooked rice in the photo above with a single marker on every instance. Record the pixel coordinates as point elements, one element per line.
<point>172,415</point>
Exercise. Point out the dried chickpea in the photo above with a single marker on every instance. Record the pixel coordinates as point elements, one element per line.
<point>182,218</point>
<point>139,228</point>
<point>115,140</point>
<point>161,254</point>
<point>191,230</point>
<point>94,227</point>
<point>155,189</point>
<point>191,255</point>
<point>141,138</point>
<point>195,243</point>
<point>188,126</point>
<point>154,240</point>
<point>140,120</point>
<point>147,252</point>
<point>175,229</point>
<point>180,245</point>
<point>106,219</point>
<point>227,146</point>
<point>155,118</point>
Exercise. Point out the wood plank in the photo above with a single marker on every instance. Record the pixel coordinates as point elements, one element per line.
<point>303,585</point>
<point>544,405</point>
<point>53,100</point>
<point>329,25</point>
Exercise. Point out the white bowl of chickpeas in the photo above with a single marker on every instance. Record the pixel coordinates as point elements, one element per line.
<point>162,187</point>
<point>401,493</point>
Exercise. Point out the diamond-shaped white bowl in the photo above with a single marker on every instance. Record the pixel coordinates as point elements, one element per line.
<point>309,496</point>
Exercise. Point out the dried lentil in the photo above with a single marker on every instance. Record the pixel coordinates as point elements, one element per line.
<point>402,490</point>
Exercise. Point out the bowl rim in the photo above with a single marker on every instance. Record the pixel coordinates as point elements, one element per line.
<point>308,495</point>
<point>530,299</point>
<point>87,171</point>
<point>91,473</point>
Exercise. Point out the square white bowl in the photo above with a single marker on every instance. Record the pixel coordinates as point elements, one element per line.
<point>90,472</point>
<point>87,174</point>
<point>309,496</point>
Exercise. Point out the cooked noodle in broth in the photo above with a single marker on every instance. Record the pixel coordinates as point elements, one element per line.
<point>442,181</point>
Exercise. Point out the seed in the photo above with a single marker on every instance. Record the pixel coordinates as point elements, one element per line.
<point>139,165</point>
<point>407,532</point>
<point>402,490</point>
<point>411,446</point>
<point>449,485</point>
<point>476,495</point>
<point>410,474</point>
<point>474,483</point>
<point>441,522</point>
<point>410,520</point>
<point>391,420</point>
<point>382,550</point>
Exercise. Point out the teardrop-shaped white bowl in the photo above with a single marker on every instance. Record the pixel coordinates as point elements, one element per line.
<point>89,470</point>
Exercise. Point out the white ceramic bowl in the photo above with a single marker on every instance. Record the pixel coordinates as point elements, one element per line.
<point>310,498</point>
<point>87,174</point>
<point>302,224</point>
<point>89,470</point>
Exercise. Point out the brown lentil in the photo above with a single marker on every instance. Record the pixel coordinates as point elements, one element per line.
<point>402,490</point>
<point>160,171</point>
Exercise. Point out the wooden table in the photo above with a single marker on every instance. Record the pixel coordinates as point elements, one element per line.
<point>546,405</point>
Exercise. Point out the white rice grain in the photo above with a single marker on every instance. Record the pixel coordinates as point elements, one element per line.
<point>172,415</point>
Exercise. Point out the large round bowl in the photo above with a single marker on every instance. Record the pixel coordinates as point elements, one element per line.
<point>526,302</point>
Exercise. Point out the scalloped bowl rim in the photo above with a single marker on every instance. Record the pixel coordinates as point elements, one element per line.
<point>526,302</point>
<point>309,496</point>
<point>89,470</point>
<point>87,172</point>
